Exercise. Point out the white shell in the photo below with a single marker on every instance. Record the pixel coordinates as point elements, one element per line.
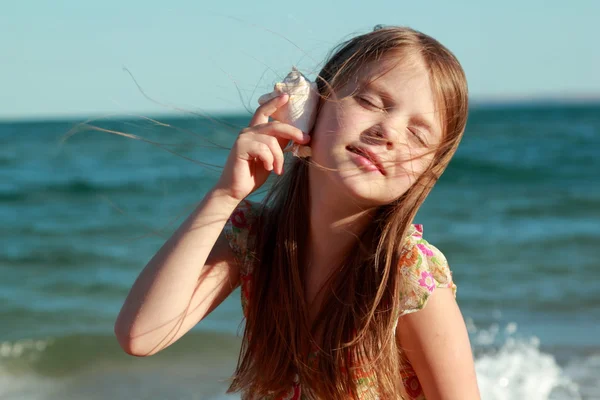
<point>301,108</point>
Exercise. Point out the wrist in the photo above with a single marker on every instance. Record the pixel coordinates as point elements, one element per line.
<point>223,195</point>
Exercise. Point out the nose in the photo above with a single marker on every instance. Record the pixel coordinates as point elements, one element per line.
<point>378,135</point>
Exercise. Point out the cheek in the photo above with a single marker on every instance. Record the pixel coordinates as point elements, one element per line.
<point>325,132</point>
<point>412,164</point>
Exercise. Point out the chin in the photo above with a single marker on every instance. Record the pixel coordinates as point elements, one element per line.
<point>370,192</point>
<point>364,188</point>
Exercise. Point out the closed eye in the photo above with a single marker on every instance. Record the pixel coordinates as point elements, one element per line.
<point>368,103</point>
<point>417,135</point>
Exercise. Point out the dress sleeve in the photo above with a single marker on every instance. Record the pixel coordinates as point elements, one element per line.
<point>424,268</point>
<point>239,234</point>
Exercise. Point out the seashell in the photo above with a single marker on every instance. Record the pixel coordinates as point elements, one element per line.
<point>301,108</point>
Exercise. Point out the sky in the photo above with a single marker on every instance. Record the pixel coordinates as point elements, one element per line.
<point>82,58</point>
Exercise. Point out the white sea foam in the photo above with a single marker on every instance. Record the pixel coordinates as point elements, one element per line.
<point>586,372</point>
<point>25,387</point>
<point>518,369</point>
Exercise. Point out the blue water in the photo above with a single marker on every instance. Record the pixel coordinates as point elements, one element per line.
<point>517,214</point>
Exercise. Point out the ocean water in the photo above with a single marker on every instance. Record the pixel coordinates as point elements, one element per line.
<point>517,214</point>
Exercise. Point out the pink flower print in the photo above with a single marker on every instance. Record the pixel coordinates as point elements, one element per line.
<point>413,387</point>
<point>238,219</point>
<point>292,394</point>
<point>246,286</point>
<point>425,250</point>
<point>418,230</point>
<point>426,281</point>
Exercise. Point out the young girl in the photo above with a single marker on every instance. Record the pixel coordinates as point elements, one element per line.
<point>343,298</point>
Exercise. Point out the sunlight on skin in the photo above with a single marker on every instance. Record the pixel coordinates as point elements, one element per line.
<point>390,127</point>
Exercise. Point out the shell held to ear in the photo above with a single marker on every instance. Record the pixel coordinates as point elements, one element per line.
<point>301,108</point>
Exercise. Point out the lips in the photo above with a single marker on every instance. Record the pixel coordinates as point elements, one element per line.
<point>364,152</point>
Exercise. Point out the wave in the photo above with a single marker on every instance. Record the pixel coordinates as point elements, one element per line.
<point>74,187</point>
<point>63,257</point>
<point>159,184</point>
<point>518,369</point>
<point>464,169</point>
<point>65,355</point>
<point>508,366</point>
<point>563,207</point>
<point>94,367</point>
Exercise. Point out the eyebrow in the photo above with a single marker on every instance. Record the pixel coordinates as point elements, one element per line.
<point>422,123</point>
<point>373,86</point>
<point>416,120</point>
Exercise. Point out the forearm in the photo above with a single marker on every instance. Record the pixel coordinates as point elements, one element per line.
<point>162,292</point>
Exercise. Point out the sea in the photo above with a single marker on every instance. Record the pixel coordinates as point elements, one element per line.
<point>85,204</point>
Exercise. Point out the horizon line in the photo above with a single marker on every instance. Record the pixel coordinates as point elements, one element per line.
<point>481,102</point>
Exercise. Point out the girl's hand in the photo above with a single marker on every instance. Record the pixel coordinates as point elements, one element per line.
<point>258,151</point>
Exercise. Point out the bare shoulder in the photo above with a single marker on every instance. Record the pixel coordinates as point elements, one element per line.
<point>436,343</point>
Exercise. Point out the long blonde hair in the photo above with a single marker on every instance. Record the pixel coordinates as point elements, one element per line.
<point>361,303</point>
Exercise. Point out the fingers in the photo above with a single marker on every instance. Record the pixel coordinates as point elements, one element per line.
<point>265,140</point>
<point>277,154</point>
<point>262,113</point>
<point>263,147</point>
<point>261,151</point>
<point>284,132</point>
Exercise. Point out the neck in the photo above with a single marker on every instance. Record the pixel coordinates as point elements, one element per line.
<point>335,225</point>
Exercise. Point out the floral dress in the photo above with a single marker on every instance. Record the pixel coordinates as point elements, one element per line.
<point>423,267</point>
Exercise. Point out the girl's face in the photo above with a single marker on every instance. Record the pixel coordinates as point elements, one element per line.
<point>377,139</point>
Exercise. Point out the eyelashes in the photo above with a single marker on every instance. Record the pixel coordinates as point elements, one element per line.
<point>370,106</point>
<point>417,136</point>
<point>368,103</point>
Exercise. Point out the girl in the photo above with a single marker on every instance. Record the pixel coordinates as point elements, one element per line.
<point>332,269</point>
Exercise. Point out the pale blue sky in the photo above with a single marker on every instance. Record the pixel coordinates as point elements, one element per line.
<point>66,58</point>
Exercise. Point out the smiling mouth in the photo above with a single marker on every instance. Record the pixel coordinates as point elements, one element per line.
<point>366,159</point>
